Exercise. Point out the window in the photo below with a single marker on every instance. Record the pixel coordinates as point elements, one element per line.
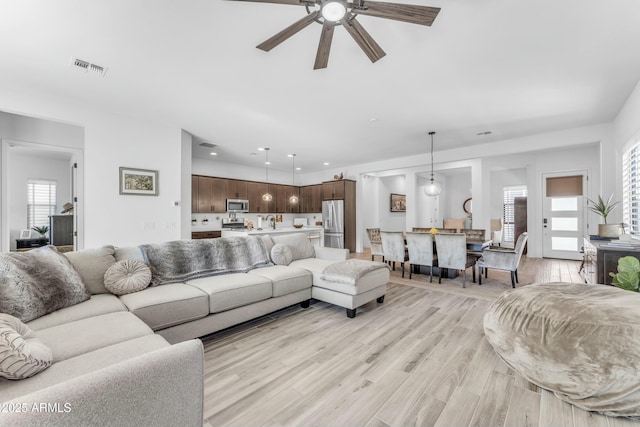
<point>631,189</point>
<point>508,211</point>
<point>41,202</point>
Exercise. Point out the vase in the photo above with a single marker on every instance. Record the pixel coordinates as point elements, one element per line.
<point>609,230</point>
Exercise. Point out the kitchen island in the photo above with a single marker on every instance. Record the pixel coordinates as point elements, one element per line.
<point>314,234</point>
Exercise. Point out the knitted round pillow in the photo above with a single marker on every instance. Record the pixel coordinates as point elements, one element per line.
<point>22,355</point>
<point>127,276</point>
<point>281,254</point>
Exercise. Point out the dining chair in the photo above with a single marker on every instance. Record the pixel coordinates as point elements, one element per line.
<point>455,223</point>
<point>452,253</point>
<point>503,259</point>
<point>420,248</point>
<point>375,243</point>
<point>393,248</point>
<point>474,233</point>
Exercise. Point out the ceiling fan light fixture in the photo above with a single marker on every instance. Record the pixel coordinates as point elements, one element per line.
<point>333,10</point>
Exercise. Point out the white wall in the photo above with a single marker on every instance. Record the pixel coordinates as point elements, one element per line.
<point>24,167</point>
<point>391,221</point>
<point>111,141</point>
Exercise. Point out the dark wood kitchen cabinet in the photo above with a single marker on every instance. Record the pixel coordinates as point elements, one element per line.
<point>283,199</point>
<point>236,189</point>
<point>311,199</point>
<point>255,190</point>
<point>333,190</point>
<point>211,195</point>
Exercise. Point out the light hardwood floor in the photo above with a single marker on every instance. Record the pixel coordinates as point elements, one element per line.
<point>418,359</point>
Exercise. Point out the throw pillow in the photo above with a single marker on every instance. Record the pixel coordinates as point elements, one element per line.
<point>281,254</point>
<point>127,276</point>
<point>91,265</point>
<point>22,355</point>
<point>38,282</point>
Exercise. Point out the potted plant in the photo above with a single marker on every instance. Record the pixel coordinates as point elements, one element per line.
<point>603,209</point>
<point>41,229</point>
<point>628,275</point>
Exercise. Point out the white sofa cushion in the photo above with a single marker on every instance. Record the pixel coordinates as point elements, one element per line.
<point>285,279</point>
<point>95,306</point>
<point>91,265</point>
<point>22,355</point>
<point>167,305</point>
<point>299,244</point>
<point>233,290</point>
<point>74,338</point>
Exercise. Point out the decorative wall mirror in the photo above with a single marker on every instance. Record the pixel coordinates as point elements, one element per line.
<point>466,206</point>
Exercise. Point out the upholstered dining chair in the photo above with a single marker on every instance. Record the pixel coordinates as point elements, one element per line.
<point>420,248</point>
<point>375,243</point>
<point>455,223</point>
<point>452,253</point>
<point>394,248</point>
<point>503,259</point>
<point>474,233</point>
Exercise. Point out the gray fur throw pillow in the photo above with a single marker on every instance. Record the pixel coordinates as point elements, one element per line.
<point>38,282</point>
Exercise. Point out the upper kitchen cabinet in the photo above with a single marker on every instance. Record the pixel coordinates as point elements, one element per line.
<point>283,203</point>
<point>194,193</point>
<point>236,189</point>
<point>311,199</point>
<point>338,189</point>
<point>210,194</point>
<point>255,190</point>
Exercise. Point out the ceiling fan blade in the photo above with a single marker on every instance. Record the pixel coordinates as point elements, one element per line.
<point>423,15</point>
<point>322,56</point>
<point>364,40</point>
<point>291,2</point>
<point>274,41</point>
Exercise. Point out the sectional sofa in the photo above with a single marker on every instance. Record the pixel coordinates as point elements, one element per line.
<point>131,359</point>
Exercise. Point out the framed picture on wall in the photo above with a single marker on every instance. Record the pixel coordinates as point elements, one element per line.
<point>139,182</point>
<point>398,203</point>
<point>25,234</point>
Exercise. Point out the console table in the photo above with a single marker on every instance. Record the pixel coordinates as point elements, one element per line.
<point>26,244</point>
<point>600,260</point>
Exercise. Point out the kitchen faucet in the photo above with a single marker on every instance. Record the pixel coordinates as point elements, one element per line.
<point>273,220</point>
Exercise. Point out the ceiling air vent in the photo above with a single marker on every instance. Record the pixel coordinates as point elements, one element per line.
<point>87,66</point>
<point>207,144</point>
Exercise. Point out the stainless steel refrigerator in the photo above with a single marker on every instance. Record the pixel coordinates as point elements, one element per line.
<point>333,221</point>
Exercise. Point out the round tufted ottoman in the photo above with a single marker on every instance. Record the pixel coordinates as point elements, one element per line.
<point>580,341</point>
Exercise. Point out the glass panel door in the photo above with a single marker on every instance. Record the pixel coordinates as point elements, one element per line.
<point>563,219</point>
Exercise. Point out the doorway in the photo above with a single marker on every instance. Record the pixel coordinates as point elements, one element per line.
<point>563,216</point>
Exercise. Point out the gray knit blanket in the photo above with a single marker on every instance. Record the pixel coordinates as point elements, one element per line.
<point>182,260</point>
<point>350,271</point>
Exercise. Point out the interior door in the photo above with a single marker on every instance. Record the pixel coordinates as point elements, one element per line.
<point>563,220</point>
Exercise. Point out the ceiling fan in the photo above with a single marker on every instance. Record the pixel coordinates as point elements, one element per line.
<point>331,13</point>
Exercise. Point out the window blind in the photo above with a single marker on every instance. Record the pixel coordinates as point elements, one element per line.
<point>631,189</point>
<point>508,210</point>
<point>41,202</point>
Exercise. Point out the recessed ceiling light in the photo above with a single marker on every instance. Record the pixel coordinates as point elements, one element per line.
<point>213,153</point>
<point>290,155</point>
<point>373,119</point>
<point>298,169</point>
<point>326,163</point>
<point>261,149</point>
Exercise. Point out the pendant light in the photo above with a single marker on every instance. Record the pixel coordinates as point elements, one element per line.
<point>294,197</point>
<point>433,188</point>
<point>267,197</point>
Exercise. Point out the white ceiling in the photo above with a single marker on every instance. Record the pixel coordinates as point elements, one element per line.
<point>512,67</point>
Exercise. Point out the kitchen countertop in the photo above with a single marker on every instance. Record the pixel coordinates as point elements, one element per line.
<point>282,230</point>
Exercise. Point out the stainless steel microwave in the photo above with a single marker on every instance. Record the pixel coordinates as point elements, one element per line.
<point>237,205</point>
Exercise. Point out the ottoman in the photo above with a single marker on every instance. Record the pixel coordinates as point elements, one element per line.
<point>351,284</point>
<point>582,342</point>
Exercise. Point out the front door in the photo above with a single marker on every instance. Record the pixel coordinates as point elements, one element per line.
<point>563,215</point>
